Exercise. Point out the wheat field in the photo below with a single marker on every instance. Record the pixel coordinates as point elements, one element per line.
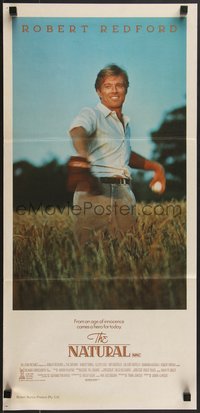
<point>144,270</point>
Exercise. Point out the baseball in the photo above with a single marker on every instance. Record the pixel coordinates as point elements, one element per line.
<point>156,187</point>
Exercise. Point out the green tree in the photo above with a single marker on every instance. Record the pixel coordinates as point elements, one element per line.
<point>170,150</point>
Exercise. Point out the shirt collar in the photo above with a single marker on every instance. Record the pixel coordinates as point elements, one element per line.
<point>106,111</point>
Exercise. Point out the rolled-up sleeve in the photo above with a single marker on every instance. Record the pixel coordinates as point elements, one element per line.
<point>87,119</point>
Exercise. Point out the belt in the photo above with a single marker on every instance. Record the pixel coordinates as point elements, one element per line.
<point>114,180</point>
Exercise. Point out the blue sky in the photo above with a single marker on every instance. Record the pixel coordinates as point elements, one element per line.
<point>54,75</point>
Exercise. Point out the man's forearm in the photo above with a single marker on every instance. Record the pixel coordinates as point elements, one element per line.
<point>80,141</point>
<point>79,174</point>
<point>137,161</point>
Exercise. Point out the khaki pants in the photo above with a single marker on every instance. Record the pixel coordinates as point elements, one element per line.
<point>112,212</point>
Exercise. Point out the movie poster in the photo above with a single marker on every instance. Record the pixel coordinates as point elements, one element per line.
<point>107,321</point>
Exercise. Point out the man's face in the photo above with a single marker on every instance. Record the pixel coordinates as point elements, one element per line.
<point>112,92</point>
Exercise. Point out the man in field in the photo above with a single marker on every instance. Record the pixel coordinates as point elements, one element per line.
<point>100,176</point>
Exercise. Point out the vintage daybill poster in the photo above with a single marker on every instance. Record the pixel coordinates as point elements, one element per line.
<point>100,186</point>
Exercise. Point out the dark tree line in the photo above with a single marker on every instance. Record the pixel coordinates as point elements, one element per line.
<point>46,185</point>
<point>170,150</point>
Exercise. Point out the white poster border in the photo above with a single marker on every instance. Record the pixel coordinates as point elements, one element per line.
<point>60,327</point>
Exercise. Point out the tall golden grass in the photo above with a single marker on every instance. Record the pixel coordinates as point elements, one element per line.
<point>146,269</point>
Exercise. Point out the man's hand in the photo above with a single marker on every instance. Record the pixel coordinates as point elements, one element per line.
<point>80,177</point>
<point>159,176</point>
